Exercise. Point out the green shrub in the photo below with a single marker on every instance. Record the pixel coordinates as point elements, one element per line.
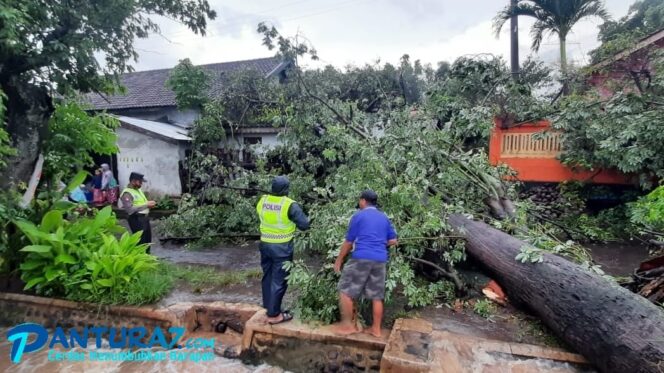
<point>195,222</point>
<point>484,308</point>
<point>166,203</point>
<point>205,223</point>
<point>148,288</point>
<point>648,211</point>
<point>82,259</point>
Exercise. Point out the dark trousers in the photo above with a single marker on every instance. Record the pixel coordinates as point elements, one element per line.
<point>274,284</point>
<point>141,222</point>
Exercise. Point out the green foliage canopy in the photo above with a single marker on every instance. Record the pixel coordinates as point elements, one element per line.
<point>74,135</point>
<point>190,85</point>
<point>624,131</point>
<point>56,42</point>
<point>643,18</point>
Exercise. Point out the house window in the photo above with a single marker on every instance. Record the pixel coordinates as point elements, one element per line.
<point>253,140</point>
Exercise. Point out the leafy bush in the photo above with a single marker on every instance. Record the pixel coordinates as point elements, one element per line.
<point>82,259</point>
<point>166,203</point>
<point>648,212</point>
<point>206,222</point>
<point>74,135</point>
<point>484,308</point>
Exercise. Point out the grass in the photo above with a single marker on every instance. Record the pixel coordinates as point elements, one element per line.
<point>531,327</point>
<point>149,288</point>
<point>484,308</point>
<point>154,285</point>
<point>207,276</point>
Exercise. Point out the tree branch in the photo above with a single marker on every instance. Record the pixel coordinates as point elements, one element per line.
<point>451,275</point>
<point>336,113</point>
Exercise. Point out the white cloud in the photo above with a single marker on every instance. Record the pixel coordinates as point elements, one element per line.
<point>360,31</point>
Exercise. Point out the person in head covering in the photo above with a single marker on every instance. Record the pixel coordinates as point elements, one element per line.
<point>137,207</point>
<point>279,217</point>
<point>108,184</point>
<point>370,233</point>
<point>107,178</point>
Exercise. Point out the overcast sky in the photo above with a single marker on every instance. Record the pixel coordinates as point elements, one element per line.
<point>361,31</point>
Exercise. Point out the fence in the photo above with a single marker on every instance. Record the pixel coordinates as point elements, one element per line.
<point>533,149</point>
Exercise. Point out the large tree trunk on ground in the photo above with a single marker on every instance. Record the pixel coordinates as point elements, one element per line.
<point>29,108</point>
<point>613,328</point>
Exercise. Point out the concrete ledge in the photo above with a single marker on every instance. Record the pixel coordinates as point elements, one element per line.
<point>411,346</point>
<point>300,347</point>
<point>415,347</point>
<point>408,354</point>
<point>203,317</point>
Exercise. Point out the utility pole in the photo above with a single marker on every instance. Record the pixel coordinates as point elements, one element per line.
<point>514,41</point>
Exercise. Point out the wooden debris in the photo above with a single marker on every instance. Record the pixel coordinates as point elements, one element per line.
<point>648,280</point>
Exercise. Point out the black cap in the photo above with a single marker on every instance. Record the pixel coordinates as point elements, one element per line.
<point>370,196</point>
<point>136,176</point>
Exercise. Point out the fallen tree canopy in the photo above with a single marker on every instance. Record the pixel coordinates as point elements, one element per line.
<point>616,330</point>
<point>424,161</point>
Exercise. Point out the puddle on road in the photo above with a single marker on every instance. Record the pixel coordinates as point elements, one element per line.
<point>618,258</point>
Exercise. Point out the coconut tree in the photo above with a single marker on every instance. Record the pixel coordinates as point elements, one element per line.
<point>552,17</point>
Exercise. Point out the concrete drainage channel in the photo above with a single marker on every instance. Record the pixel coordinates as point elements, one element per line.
<point>240,332</point>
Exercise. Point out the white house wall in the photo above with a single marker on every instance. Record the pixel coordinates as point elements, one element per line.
<point>268,141</point>
<point>155,158</point>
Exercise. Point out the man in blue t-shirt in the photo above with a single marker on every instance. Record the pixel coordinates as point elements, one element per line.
<point>371,232</point>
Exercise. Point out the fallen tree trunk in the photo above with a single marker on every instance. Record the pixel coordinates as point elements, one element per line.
<point>613,328</point>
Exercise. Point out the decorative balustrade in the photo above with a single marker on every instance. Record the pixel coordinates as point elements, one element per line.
<point>533,149</point>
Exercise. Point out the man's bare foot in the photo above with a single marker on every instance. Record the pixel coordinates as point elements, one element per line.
<point>371,331</point>
<point>344,329</point>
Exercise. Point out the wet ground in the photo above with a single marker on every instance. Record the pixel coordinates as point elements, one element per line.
<point>619,258</point>
<point>505,323</point>
<point>223,256</point>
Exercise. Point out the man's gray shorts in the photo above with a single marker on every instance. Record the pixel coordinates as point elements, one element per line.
<point>363,277</point>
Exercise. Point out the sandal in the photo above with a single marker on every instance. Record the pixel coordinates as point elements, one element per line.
<point>286,317</point>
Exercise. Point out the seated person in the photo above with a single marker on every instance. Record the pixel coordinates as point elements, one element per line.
<point>78,194</point>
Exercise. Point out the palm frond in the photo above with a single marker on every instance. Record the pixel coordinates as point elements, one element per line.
<point>592,9</point>
<point>553,16</point>
<point>521,9</point>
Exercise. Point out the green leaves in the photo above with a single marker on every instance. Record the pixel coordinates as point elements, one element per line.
<point>648,212</point>
<point>51,221</point>
<point>47,38</point>
<point>81,259</point>
<point>36,249</point>
<point>77,180</point>
<point>190,85</point>
<point>530,254</point>
<point>74,135</point>
<point>624,131</point>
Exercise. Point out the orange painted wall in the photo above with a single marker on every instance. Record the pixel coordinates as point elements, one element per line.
<point>546,169</point>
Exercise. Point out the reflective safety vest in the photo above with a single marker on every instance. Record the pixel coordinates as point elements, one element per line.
<point>139,198</point>
<point>273,213</point>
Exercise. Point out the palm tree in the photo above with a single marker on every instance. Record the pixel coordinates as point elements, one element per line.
<point>552,17</point>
